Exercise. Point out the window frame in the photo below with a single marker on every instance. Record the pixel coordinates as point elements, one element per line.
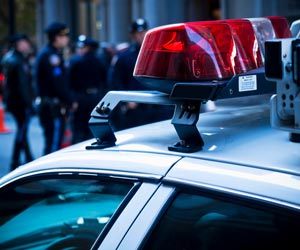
<point>73,175</point>
<point>161,205</point>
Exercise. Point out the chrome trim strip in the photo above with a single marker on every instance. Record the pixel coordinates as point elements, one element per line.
<point>88,172</point>
<point>230,191</point>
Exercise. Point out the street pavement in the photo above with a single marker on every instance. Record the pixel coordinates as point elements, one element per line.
<point>35,137</point>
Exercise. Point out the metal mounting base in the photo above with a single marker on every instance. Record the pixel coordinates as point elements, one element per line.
<point>185,117</point>
<point>100,145</point>
<point>179,147</point>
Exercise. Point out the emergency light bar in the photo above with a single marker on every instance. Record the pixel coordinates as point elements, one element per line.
<point>188,64</point>
<point>203,51</point>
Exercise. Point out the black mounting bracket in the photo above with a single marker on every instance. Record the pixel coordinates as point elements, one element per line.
<point>184,120</point>
<point>185,117</point>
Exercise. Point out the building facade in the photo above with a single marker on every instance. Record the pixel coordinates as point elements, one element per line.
<point>109,20</point>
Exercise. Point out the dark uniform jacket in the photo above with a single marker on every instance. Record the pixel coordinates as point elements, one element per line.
<point>51,80</point>
<point>121,72</point>
<point>18,82</point>
<point>87,79</point>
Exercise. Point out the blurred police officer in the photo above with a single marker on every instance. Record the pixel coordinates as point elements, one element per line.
<point>52,86</point>
<point>121,72</point>
<point>18,93</point>
<point>87,78</point>
<point>120,77</point>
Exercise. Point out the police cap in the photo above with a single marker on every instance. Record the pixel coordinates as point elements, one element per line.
<point>17,37</point>
<point>86,41</point>
<point>138,25</point>
<point>57,28</point>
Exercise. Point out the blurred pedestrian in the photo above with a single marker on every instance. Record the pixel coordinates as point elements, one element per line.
<point>120,77</point>
<point>106,53</point>
<point>18,93</point>
<point>52,86</point>
<point>87,78</point>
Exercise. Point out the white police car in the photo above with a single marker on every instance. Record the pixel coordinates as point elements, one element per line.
<point>224,180</point>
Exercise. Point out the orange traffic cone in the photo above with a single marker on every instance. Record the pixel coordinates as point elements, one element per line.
<point>67,138</point>
<point>3,128</point>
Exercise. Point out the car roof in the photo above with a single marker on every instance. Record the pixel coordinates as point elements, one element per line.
<point>235,132</point>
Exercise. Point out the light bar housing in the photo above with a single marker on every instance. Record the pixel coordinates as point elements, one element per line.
<point>196,62</point>
<point>206,51</point>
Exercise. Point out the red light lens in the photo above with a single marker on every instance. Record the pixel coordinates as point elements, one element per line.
<point>204,51</point>
<point>229,46</point>
<point>246,41</point>
<point>182,52</point>
<point>281,26</point>
<point>263,31</point>
<point>198,51</point>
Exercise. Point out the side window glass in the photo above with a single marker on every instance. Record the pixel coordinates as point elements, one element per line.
<point>197,222</point>
<point>58,213</point>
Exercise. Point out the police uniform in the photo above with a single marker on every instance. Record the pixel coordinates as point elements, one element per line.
<point>52,88</point>
<point>18,97</point>
<point>120,77</point>
<point>87,78</point>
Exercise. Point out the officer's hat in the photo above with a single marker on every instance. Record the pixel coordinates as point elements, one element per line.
<point>17,37</point>
<point>57,28</point>
<point>86,41</point>
<point>138,25</point>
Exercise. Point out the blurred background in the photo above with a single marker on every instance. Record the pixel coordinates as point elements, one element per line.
<point>108,20</point>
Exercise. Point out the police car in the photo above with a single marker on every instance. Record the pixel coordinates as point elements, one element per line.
<point>220,178</point>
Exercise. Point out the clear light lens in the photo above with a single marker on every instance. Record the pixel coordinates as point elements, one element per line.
<point>247,43</point>
<point>264,31</point>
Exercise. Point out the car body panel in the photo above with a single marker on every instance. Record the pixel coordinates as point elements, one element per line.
<point>235,132</point>
<point>255,183</point>
<point>128,164</point>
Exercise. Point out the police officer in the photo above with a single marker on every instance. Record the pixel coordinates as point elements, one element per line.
<point>120,77</point>
<point>52,86</point>
<point>121,71</point>
<point>87,78</point>
<point>19,93</point>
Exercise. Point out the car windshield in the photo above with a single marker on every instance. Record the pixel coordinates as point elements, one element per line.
<point>48,212</point>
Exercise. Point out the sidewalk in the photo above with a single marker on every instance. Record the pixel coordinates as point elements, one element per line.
<point>35,137</point>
